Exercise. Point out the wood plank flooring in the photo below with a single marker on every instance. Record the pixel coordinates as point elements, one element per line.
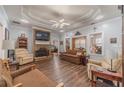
<point>70,74</point>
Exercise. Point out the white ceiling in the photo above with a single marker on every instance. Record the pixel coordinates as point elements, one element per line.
<point>76,15</point>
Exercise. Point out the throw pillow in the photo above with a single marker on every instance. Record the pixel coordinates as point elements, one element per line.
<point>79,54</point>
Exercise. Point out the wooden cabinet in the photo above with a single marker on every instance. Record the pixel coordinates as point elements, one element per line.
<point>22,42</point>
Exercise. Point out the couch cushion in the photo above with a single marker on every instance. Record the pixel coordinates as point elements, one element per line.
<point>34,78</point>
<point>71,55</point>
<point>79,53</point>
<point>73,52</point>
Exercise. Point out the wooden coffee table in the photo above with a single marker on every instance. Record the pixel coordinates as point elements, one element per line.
<point>106,75</point>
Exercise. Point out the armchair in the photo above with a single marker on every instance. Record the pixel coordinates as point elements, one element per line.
<point>22,56</point>
<point>28,76</point>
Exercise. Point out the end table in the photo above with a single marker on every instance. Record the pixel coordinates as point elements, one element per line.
<point>14,64</point>
<point>106,75</point>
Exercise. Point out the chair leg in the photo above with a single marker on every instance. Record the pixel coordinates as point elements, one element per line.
<point>93,83</point>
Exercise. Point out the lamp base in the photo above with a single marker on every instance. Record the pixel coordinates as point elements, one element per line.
<point>114,71</point>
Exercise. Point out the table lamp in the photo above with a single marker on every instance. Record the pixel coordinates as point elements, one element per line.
<point>113,55</point>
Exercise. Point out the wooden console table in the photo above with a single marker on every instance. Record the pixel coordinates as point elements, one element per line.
<point>106,75</point>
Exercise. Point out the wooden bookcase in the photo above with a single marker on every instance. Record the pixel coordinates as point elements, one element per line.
<point>22,42</point>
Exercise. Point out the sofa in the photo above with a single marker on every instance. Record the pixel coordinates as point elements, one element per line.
<point>73,56</point>
<point>23,56</point>
<point>28,76</point>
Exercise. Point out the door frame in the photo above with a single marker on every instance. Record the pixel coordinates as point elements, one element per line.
<point>121,7</point>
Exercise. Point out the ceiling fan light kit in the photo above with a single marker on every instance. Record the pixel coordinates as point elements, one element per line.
<point>59,24</point>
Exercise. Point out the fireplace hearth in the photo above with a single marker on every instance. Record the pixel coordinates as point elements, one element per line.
<point>42,52</point>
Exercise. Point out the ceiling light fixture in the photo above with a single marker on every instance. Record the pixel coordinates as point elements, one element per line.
<point>60,23</point>
<point>99,17</point>
<point>24,21</point>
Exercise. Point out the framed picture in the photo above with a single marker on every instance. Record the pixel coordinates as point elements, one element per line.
<point>113,40</point>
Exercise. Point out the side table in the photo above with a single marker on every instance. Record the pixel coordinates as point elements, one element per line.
<point>106,75</point>
<point>84,60</point>
<point>14,64</point>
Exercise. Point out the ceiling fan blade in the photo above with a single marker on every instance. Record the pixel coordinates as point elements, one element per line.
<point>66,24</point>
<point>55,25</point>
<point>53,21</point>
<point>62,20</point>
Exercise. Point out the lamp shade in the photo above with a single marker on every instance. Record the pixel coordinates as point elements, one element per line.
<point>8,44</point>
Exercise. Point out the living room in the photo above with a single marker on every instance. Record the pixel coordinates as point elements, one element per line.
<point>63,48</point>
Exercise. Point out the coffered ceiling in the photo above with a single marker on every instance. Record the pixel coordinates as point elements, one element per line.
<point>60,17</point>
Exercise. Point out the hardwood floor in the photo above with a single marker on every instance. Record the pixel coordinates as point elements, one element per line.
<point>61,71</point>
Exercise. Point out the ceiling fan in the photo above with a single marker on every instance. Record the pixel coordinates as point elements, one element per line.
<point>59,24</point>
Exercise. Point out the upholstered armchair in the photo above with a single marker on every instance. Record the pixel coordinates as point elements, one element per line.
<point>23,56</point>
<point>28,76</point>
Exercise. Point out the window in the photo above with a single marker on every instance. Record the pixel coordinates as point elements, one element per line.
<point>96,43</point>
<point>67,43</point>
<point>80,42</point>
